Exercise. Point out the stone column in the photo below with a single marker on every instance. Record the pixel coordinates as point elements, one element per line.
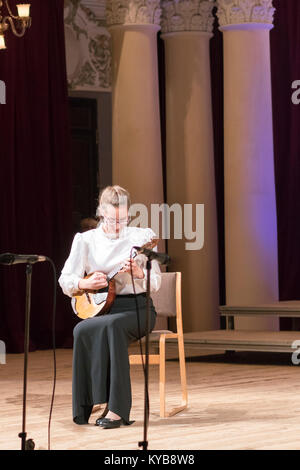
<point>250,205</point>
<point>186,27</point>
<point>136,139</point>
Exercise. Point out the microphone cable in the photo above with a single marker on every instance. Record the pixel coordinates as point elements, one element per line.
<point>137,311</point>
<point>54,348</point>
<point>147,405</point>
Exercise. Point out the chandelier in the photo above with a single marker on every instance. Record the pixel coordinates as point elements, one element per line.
<point>18,23</point>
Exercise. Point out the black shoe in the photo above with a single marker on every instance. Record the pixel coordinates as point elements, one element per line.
<point>102,417</point>
<point>107,423</point>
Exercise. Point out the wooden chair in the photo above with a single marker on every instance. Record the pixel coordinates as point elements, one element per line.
<point>167,302</point>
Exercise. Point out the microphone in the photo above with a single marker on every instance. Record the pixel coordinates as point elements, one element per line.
<point>10,258</point>
<point>162,258</point>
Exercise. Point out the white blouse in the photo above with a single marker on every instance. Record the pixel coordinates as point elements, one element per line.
<point>95,250</point>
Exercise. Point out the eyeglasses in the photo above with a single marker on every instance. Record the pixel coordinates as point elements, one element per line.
<point>112,221</point>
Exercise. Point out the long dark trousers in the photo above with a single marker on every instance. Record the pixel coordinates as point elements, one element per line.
<point>101,372</point>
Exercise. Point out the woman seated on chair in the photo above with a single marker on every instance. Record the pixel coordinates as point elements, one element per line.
<point>101,373</point>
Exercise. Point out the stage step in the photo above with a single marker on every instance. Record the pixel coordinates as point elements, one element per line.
<point>240,340</point>
<point>283,308</point>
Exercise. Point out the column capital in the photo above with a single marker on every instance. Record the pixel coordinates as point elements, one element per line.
<point>248,14</point>
<point>133,12</point>
<point>187,15</point>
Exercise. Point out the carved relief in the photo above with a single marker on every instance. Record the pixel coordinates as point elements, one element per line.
<point>245,11</point>
<point>187,15</point>
<point>133,12</point>
<point>88,45</point>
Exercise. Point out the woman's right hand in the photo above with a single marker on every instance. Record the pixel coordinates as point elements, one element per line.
<point>96,281</point>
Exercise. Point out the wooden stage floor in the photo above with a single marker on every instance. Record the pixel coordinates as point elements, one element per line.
<point>250,401</point>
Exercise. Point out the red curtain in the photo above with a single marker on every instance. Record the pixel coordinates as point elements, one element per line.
<point>35,190</point>
<point>285,61</point>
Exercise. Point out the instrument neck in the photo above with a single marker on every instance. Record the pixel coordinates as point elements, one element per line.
<point>115,271</point>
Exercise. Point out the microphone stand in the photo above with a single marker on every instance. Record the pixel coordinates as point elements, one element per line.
<point>144,443</point>
<point>29,443</point>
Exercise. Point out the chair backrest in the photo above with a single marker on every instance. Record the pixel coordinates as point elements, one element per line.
<point>164,299</point>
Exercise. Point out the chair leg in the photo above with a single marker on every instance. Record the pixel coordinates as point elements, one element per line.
<point>183,406</point>
<point>182,371</point>
<point>162,375</point>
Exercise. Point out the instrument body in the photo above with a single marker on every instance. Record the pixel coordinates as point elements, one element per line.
<point>90,303</point>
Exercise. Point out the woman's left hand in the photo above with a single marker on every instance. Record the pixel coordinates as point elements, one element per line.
<point>137,271</point>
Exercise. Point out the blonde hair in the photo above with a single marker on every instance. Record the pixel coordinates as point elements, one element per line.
<point>115,196</point>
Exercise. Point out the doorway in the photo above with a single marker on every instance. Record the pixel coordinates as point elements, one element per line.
<point>85,162</point>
